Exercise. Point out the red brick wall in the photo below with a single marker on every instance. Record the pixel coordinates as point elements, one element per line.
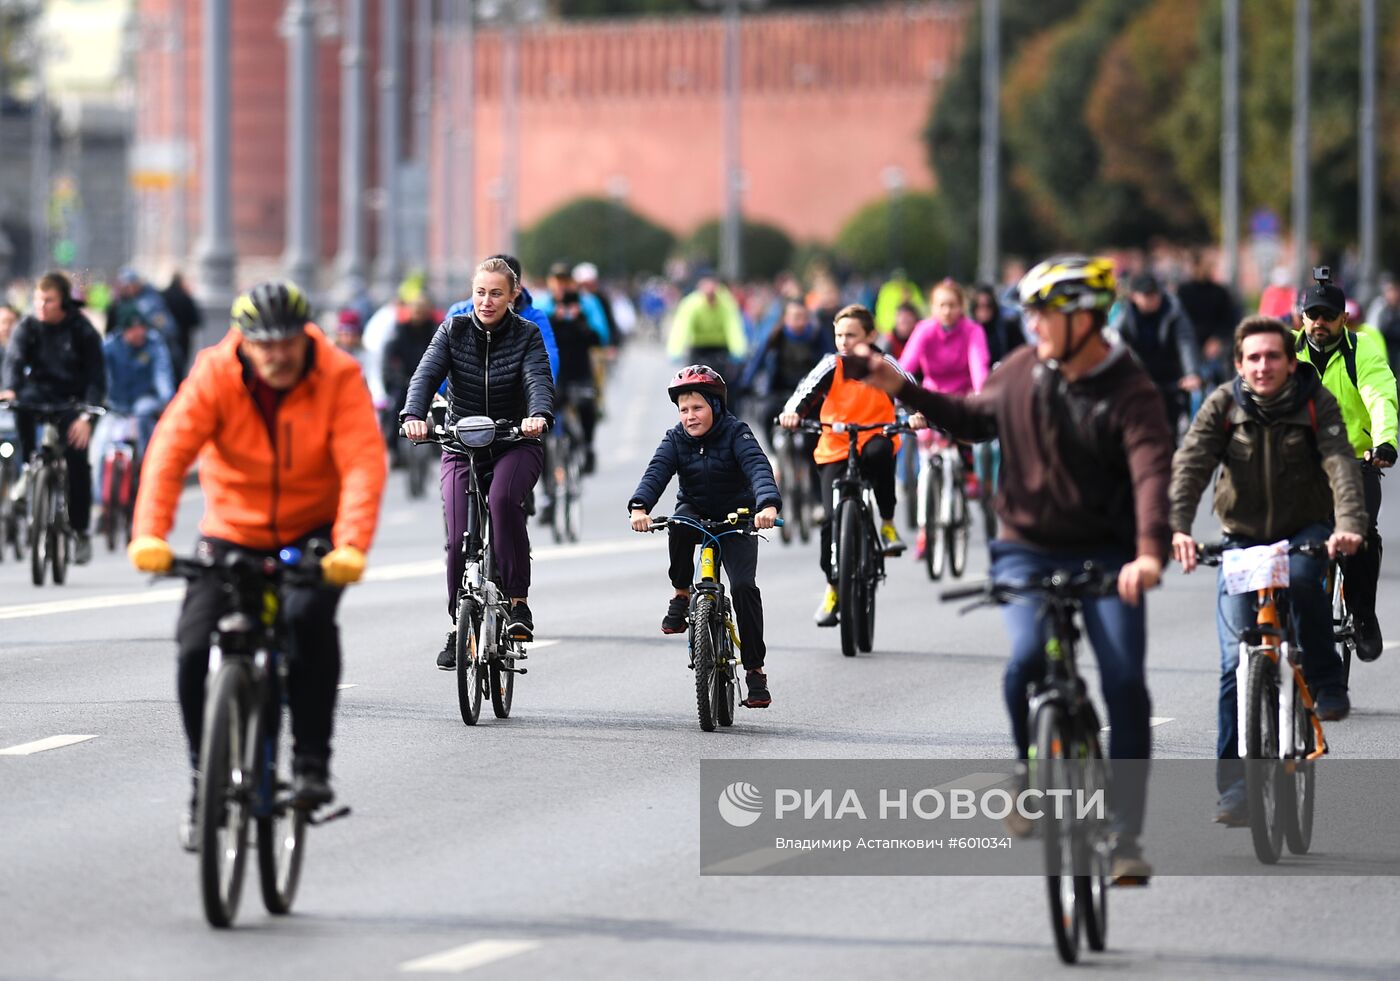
<point>831,99</point>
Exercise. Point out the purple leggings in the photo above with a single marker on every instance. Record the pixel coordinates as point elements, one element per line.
<point>508,480</point>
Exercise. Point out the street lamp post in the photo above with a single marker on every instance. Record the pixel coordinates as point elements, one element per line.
<point>988,202</point>
<point>893,179</point>
<point>731,243</point>
<point>1230,145</point>
<point>618,189</point>
<point>214,251</point>
<point>351,261</point>
<point>1370,192</point>
<point>1301,68</point>
<point>299,257</point>
<point>387,268</point>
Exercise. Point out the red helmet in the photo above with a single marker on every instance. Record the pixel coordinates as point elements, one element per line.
<point>698,378</point>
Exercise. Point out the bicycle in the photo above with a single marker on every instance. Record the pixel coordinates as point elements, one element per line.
<point>118,483</point>
<point>243,772</point>
<point>1280,780</point>
<point>1343,623</point>
<point>943,512</point>
<point>711,638</point>
<point>794,482</point>
<point>858,554</point>
<point>486,655</point>
<point>907,474</point>
<point>13,527</point>
<point>1065,753</point>
<point>50,534</point>
<point>563,472</point>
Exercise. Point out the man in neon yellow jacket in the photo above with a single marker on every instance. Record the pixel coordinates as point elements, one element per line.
<point>708,327</point>
<point>1355,369</point>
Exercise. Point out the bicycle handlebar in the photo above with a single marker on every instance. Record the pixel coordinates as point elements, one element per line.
<point>1209,553</point>
<point>506,432</point>
<point>1089,581</point>
<point>735,521</point>
<point>52,408</point>
<point>291,566</point>
<point>814,426</point>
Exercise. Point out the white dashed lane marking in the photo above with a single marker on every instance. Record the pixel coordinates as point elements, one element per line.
<point>40,745</point>
<point>1155,722</point>
<point>464,958</point>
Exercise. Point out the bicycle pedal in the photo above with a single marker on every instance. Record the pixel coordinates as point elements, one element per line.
<point>335,815</point>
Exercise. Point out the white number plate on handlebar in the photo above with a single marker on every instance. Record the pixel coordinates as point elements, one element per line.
<point>1259,567</point>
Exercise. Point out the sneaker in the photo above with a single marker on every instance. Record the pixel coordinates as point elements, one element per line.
<point>921,543</point>
<point>1129,867</point>
<point>1232,809</point>
<point>82,548</point>
<point>894,545</point>
<point>311,783</point>
<point>826,612</point>
<point>1019,825</point>
<point>447,659</point>
<point>1369,643</point>
<point>520,625</point>
<point>759,696</point>
<point>187,819</point>
<point>677,612</point>
<point>1333,704</point>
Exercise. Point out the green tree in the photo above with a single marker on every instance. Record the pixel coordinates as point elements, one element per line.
<point>767,248</point>
<point>1129,112</point>
<point>617,239</point>
<point>953,132</point>
<point>1057,161</point>
<point>909,233</point>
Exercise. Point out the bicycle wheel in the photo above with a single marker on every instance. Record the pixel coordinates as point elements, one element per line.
<point>40,540</point>
<point>7,510</point>
<point>222,810</point>
<point>1300,781</point>
<point>849,526</point>
<point>1263,787</point>
<point>573,499</point>
<point>869,566</point>
<point>909,482</point>
<point>1092,887</point>
<point>1343,627</point>
<point>1049,771</point>
<point>705,625</point>
<point>19,531</point>
<point>111,489</point>
<point>935,542</point>
<point>470,658</point>
<point>58,531</point>
<point>787,487</point>
<point>959,528</point>
<point>502,681</point>
<point>725,680</point>
<point>282,830</point>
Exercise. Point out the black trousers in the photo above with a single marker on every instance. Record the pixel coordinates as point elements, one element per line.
<point>877,464</point>
<point>739,556</point>
<point>313,658</point>
<point>79,469</point>
<point>1363,570</point>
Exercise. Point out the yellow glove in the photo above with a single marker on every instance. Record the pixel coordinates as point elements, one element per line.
<point>150,554</point>
<point>344,565</point>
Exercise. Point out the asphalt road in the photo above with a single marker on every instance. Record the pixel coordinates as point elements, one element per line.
<point>563,842</point>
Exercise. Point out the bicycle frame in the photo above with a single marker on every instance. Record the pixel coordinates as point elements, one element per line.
<point>1270,637</point>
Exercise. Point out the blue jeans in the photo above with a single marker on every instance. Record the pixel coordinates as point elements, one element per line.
<point>1311,609</point>
<point>1118,634</point>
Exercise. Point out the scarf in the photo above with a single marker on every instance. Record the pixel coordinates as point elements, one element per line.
<point>1277,405</point>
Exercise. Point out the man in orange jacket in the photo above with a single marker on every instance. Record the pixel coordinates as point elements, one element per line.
<point>289,450</point>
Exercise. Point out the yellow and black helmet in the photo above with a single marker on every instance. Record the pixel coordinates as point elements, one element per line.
<point>271,311</point>
<point>1070,282</point>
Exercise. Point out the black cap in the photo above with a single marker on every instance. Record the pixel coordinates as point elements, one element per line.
<point>1324,296</point>
<point>1145,283</point>
<point>560,270</point>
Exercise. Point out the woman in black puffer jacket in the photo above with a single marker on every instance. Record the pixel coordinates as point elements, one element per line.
<point>495,365</point>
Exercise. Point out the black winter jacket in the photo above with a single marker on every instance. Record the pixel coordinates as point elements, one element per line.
<point>53,362</point>
<point>719,472</point>
<point>502,373</point>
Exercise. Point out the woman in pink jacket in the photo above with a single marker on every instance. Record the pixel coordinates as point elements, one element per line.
<point>949,349</point>
<point>948,353</point>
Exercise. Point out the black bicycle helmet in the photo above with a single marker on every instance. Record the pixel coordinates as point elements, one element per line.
<point>271,311</point>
